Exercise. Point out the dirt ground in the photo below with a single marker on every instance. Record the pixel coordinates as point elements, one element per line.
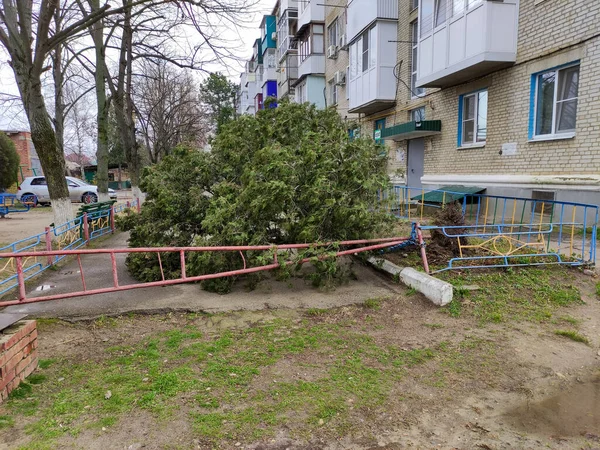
<point>393,372</point>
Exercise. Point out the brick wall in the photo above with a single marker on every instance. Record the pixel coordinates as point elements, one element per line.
<point>18,355</point>
<point>508,122</point>
<point>551,33</point>
<point>22,141</point>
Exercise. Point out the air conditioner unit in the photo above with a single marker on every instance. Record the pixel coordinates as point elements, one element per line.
<point>332,52</point>
<point>274,35</point>
<point>342,41</point>
<point>339,78</point>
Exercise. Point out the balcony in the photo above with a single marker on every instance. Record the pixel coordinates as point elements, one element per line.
<point>287,75</point>
<point>268,27</point>
<point>466,40</point>
<point>310,11</point>
<point>372,84</point>
<point>312,65</point>
<point>284,5</point>
<point>362,13</point>
<point>286,30</point>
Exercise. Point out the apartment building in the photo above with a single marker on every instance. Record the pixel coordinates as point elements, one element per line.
<point>310,42</point>
<point>337,64</point>
<point>503,95</point>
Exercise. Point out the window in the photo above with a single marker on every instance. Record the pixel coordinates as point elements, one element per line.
<point>312,42</point>
<point>353,61</point>
<point>426,16</point>
<point>378,127</point>
<point>333,92</point>
<point>458,6</point>
<point>414,4</point>
<point>556,101</point>
<point>38,182</point>
<point>473,118</point>
<point>441,9</point>
<point>333,33</point>
<point>415,91</point>
<point>318,36</point>
<point>365,51</point>
<point>301,93</point>
<point>347,78</point>
<point>417,114</point>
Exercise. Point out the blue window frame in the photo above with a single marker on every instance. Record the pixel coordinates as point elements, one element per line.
<point>553,102</point>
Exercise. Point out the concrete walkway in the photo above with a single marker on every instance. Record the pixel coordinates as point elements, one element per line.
<point>185,297</point>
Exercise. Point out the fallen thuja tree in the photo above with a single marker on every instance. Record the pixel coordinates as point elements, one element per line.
<point>291,174</point>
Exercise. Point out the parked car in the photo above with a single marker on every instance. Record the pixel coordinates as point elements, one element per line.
<point>35,190</point>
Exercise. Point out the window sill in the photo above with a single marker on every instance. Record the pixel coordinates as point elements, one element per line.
<point>552,137</point>
<point>467,147</point>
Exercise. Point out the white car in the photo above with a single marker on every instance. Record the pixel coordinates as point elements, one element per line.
<point>35,190</point>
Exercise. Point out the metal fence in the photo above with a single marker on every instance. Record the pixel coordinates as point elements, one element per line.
<point>503,231</point>
<point>68,236</point>
<point>277,261</point>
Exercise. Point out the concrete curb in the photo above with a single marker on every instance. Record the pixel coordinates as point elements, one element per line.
<point>437,291</point>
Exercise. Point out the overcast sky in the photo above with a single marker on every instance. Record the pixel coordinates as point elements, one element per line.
<point>12,118</point>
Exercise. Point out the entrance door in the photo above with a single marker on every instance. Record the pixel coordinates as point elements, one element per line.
<point>415,162</point>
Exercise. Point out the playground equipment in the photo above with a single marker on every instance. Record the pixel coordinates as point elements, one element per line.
<point>10,204</point>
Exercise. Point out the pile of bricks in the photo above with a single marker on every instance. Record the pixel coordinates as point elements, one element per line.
<point>18,355</point>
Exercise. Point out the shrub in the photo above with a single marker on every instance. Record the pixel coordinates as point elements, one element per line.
<point>9,162</point>
<point>289,175</point>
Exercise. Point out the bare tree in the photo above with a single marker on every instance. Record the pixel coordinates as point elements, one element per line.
<point>27,35</point>
<point>169,112</point>
<point>80,127</point>
<point>160,31</point>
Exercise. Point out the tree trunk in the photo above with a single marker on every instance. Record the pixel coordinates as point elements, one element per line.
<point>44,140</point>
<point>102,108</point>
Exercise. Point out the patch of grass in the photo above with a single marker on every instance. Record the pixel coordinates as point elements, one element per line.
<point>44,321</point>
<point>36,378</point>
<point>529,294</point>
<point>6,421</point>
<point>454,308</point>
<point>433,326</point>
<point>598,289</point>
<point>45,363</point>
<point>315,312</point>
<point>570,320</point>
<point>573,335</point>
<point>225,380</point>
<point>22,391</point>
<point>373,303</point>
<point>104,321</point>
<point>410,292</point>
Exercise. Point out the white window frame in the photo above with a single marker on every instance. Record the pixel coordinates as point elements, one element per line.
<point>413,114</point>
<point>414,56</point>
<point>474,142</point>
<point>554,133</point>
<point>365,53</point>
<point>333,29</point>
<point>333,92</point>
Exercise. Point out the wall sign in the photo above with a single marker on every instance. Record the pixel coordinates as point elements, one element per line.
<point>509,149</point>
